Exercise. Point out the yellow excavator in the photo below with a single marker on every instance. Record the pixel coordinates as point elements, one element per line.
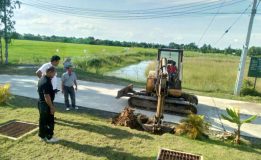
<point>163,89</point>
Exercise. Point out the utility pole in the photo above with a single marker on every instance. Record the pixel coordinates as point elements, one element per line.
<point>241,68</point>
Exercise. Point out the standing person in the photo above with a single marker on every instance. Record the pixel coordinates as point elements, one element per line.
<point>42,70</point>
<point>67,63</point>
<point>46,106</point>
<point>69,79</point>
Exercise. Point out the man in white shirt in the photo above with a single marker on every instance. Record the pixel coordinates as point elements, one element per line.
<point>42,70</point>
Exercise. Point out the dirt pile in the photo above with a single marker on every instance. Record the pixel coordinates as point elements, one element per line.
<point>128,118</point>
<point>139,121</point>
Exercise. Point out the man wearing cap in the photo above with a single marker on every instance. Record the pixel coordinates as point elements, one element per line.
<point>68,81</point>
<point>42,70</point>
<point>46,106</point>
<point>67,63</point>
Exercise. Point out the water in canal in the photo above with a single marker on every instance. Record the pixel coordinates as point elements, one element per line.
<point>135,72</point>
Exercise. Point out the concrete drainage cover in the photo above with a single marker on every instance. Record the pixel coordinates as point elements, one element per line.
<point>17,129</point>
<point>166,154</point>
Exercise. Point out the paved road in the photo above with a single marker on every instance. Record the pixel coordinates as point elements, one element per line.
<point>101,96</point>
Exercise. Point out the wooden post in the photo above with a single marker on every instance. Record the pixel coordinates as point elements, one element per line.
<point>255,82</point>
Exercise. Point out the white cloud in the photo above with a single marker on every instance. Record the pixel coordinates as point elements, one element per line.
<point>179,30</point>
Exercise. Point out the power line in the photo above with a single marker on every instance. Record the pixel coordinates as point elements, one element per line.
<point>212,20</point>
<point>126,16</point>
<point>161,12</point>
<point>81,10</point>
<point>228,29</point>
<point>181,6</point>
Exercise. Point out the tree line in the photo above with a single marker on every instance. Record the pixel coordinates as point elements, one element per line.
<point>6,14</point>
<point>206,48</point>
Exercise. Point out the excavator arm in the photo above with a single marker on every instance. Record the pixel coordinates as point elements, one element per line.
<point>161,90</point>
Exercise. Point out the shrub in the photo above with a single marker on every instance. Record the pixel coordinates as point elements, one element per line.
<point>248,89</point>
<point>88,63</point>
<point>247,84</point>
<point>115,58</point>
<point>96,63</point>
<point>249,92</point>
<point>4,93</point>
<point>193,126</point>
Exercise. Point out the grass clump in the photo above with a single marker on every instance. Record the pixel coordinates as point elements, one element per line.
<point>193,126</point>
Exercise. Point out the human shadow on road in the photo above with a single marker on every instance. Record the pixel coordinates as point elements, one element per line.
<point>110,132</point>
<point>110,153</point>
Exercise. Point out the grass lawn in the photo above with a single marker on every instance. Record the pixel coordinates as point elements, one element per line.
<point>90,58</point>
<point>37,52</point>
<point>87,134</point>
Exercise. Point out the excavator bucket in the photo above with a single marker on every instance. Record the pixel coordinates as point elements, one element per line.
<point>150,126</point>
<point>126,91</point>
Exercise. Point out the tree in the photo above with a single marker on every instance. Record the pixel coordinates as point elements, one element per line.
<point>191,47</point>
<point>234,117</point>
<point>228,50</point>
<point>174,45</point>
<point>7,12</point>
<point>204,48</point>
<point>1,51</point>
<point>254,51</point>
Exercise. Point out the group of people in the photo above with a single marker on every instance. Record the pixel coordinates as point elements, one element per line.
<point>47,88</point>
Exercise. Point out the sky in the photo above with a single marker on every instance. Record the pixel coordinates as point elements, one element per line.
<point>179,29</point>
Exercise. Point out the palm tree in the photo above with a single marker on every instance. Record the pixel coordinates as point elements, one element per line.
<point>234,117</point>
<point>193,126</point>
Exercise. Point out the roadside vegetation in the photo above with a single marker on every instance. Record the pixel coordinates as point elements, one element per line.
<point>89,135</point>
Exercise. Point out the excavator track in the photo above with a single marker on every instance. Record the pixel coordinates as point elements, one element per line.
<point>172,105</point>
<point>189,97</point>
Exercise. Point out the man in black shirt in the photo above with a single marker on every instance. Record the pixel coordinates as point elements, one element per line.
<point>46,107</point>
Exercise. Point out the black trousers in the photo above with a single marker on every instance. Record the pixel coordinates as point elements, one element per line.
<point>69,91</point>
<point>46,121</point>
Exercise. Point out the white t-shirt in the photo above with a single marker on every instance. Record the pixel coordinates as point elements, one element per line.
<point>43,69</point>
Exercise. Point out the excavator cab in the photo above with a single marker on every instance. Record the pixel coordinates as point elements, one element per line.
<point>174,66</point>
<point>174,58</point>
